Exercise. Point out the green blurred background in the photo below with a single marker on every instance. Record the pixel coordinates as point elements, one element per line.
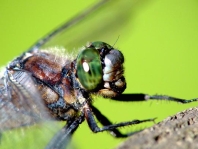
<point>158,39</point>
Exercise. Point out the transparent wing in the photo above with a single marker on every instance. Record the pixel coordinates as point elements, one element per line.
<point>20,101</point>
<point>102,22</point>
<point>22,109</point>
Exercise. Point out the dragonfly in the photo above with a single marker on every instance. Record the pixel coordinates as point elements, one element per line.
<point>43,84</point>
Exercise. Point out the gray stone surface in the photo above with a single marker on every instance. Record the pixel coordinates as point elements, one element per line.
<point>176,132</point>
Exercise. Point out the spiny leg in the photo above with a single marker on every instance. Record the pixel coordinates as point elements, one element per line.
<point>94,127</point>
<point>105,122</point>
<point>145,97</point>
<point>62,138</point>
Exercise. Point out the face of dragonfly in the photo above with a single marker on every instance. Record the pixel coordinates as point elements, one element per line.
<point>100,69</point>
<point>142,32</point>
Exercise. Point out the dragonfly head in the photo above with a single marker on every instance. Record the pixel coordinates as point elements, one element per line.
<point>100,69</point>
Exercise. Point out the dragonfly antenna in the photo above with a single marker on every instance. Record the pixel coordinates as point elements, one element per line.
<point>116,40</point>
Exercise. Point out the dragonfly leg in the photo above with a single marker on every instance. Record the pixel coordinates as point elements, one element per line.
<point>62,138</point>
<point>105,122</point>
<point>109,127</point>
<point>145,97</point>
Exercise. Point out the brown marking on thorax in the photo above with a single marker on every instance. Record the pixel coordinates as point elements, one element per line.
<point>44,69</point>
<point>69,95</point>
<point>50,72</point>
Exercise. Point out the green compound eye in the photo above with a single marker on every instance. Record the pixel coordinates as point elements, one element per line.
<point>89,69</point>
<point>100,45</point>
